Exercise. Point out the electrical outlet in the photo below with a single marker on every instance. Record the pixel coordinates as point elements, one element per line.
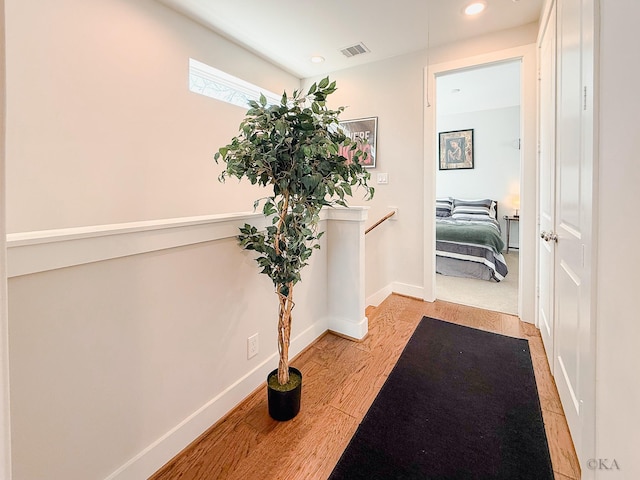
<point>252,346</point>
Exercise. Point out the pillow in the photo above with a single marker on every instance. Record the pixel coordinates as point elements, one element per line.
<point>472,209</point>
<point>444,206</point>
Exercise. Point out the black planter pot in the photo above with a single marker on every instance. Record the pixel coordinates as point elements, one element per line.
<point>284,405</point>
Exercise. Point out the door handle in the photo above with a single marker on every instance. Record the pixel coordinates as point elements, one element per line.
<point>549,236</point>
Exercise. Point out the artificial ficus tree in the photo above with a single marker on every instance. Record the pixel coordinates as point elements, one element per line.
<point>294,148</point>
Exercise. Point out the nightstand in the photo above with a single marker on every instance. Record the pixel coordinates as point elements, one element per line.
<point>508,220</point>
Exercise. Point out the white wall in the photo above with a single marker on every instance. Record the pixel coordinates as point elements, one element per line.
<point>123,356</point>
<point>5,417</point>
<point>101,126</point>
<point>393,90</point>
<point>119,363</point>
<point>399,143</point>
<point>618,328</point>
<point>496,172</point>
<point>129,341</point>
<point>115,355</point>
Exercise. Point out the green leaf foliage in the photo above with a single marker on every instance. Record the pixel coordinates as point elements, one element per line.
<point>293,148</point>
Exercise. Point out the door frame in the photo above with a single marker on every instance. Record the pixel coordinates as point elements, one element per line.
<point>528,168</point>
<point>547,28</point>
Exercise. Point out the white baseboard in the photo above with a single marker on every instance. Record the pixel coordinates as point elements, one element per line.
<point>356,331</point>
<point>408,290</point>
<point>152,458</point>
<point>395,287</point>
<point>378,297</point>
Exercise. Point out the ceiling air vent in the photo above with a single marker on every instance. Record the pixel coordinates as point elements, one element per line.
<point>354,50</point>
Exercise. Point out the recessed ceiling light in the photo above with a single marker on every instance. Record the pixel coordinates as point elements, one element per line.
<point>474,8</point>
<point>317,59</point>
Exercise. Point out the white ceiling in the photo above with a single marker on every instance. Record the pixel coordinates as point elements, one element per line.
<point>289,32</point>
<point>483,88</point>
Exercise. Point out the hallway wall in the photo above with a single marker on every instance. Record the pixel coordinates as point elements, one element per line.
<point>393,90</point>
<point>5,414</point>
<point>101,125</point>
<point>118,363</point>
<point>617,325</point>
<point>128,342</point>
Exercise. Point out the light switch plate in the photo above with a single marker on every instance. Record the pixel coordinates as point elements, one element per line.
<point>383,178</point>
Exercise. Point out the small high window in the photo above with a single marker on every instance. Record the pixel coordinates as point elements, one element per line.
<point>214,83</point>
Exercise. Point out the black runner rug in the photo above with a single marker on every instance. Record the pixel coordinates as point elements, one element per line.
<point>459,404</point>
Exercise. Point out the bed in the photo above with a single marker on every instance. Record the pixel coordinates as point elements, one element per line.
<point>468,239</point>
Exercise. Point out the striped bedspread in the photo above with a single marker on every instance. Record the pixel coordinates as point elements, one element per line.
<point>477,241</point>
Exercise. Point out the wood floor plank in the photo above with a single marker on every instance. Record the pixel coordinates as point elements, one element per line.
<point>559,476</point>
<point>510,325</point>
<point>389,331</point>
<point>213,457</point>
<point>360,389</point>
<point>319,383</point>
<point>341,378</point>
<point>561,448</point>
<point>529,330</point>
<point>482,320</point>
<point>547,390</point>
<point>337,352</point>
<point>303,447</point>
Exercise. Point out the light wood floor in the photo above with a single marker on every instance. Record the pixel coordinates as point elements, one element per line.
<point>341,380</point>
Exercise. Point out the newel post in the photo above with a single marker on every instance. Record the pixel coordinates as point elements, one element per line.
<point>346,271</point>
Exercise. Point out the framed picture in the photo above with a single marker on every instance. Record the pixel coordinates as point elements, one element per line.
<point>364,130</point>
<point>456,150</point>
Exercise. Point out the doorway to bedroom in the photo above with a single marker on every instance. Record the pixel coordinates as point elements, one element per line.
<point>478,118</point>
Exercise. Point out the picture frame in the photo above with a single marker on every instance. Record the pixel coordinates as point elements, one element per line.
<point>365,130</point>
<point>456,150</point>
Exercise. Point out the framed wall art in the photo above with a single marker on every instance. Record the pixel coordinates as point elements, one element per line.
<point>364,130</point>
<point>456,150</point>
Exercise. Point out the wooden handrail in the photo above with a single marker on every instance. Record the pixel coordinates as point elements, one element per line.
<point>386,217</point>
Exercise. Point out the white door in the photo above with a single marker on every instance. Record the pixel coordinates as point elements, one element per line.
<point>546,208</point>
<point>566,218</point>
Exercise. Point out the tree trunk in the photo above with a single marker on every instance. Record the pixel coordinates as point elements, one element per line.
<point>284,333</point>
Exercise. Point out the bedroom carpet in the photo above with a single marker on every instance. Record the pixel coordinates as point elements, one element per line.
<point>497,296</point>
<point>459,404</point>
